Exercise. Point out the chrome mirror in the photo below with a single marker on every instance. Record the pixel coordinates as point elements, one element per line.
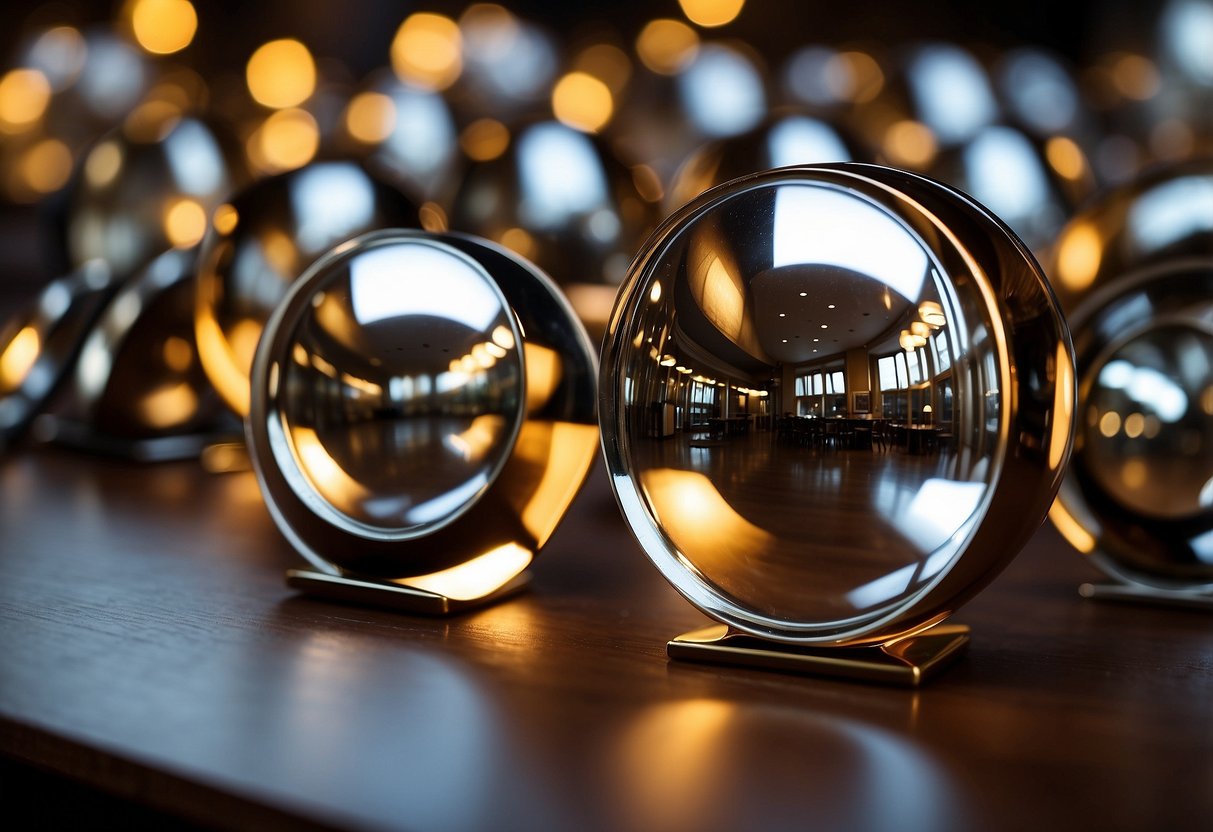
<point>836,401</point>
<point>422,416</point>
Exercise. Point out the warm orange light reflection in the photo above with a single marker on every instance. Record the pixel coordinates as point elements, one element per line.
<point>428,51</point>
<point>582,102</point>
<point>711,13</point>
<point>910,143</point>
<point>103,164</point>
<point>370,117</point>
<point>163,26</point>
<point>503,337</point>
<point>698,519</point>
<point>1136,77</point>
<point>1078,255</point>
<point>666,46</point>
<point>518,240</point>
<point>544,372</point>
<point>477,577</point>
<point>18,357</point>
<point>324,474</point>
<point>226,218</point>
<point>287,140</point>
<point>227,361</point>
<point>432,217</point>
<point>177,353</point>
<point>670,754</point>
<point>168,406</point>
<point>46,166</point>
<point>480,437</point>
<point>281,73</point>
<point>1071,529</point>
<point>1063,407</point>
<point>184,223</point>
<point>1065,157</point>
<point>24,95</point>
<point>484,139</point>
<point>565,451</point>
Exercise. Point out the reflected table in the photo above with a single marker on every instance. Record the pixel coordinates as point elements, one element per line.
<point>150,649</point>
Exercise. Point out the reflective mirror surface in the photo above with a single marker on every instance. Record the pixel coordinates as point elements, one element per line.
<point>425,406</point>
<point>39,344</point>
<point>138,375</point>
<point>836,400</point>
<point>1135,274</point>
<point>261,240</point>
<point>146,188</point>
<point>141,190</point>
<point>422,404</point>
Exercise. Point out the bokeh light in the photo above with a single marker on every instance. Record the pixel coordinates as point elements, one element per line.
<point>281,74</point>
<point>288,139</point>
<point>24,94</point>
<point>711,13</point>
<point>370,117</point>
<point>666,46</point>
<point>162,27</point>
<point>427,51</point>
<point>582,101</point>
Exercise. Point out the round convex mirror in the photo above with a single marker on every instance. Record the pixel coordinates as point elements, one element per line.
<point>1134,274</point>
<point>415,400</point>
<point>836,401</point>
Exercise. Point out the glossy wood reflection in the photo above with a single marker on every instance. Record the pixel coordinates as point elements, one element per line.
<point>149,647</point>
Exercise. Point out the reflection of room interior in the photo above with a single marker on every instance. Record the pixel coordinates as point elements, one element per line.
<point>826,340</point>
<point>815,381</point>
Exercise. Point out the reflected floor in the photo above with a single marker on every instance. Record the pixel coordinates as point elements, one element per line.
<point>806,533</point>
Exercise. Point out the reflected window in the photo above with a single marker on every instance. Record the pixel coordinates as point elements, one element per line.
<point>914,364</point>
<point>941,352</point>
<point>832,228</point>
<point>886,367</point>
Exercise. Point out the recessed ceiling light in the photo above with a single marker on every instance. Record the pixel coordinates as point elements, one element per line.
<point>831,306</point>
<point>825,326</point>
<point>815,340</point>
<point>783,314</point>
<point>804,294</point>
<point>785,340</point>
<point>814,350</point>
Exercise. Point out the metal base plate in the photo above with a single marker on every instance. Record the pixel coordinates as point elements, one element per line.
<point>1138,594</point>
<point>908,662</point>
<point>392,595</point>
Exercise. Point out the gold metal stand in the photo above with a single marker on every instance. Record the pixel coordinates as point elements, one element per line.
<point>1137,594</point>
<point>908,662</point>
<point>392,595</point>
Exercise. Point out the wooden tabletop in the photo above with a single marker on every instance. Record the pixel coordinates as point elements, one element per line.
<point>149,647</point>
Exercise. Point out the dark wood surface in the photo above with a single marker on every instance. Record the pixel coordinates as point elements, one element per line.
<point>149,649</point>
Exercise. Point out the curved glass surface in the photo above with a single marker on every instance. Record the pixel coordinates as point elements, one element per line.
<point>1139,494</point>
<point>1148,435</point>
<point>403,392</point>
<point>1134,273</point>
<point>262,240</point>
<point>808,404</point>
